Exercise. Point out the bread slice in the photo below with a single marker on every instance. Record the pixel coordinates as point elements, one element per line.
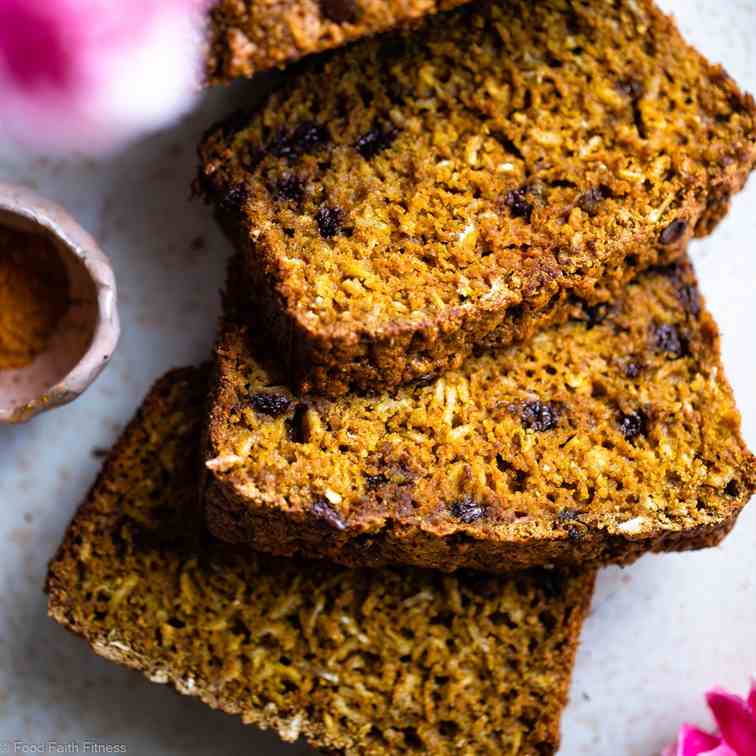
<point>371,662</point>
<point>608,436</point>
<point>414,196</point>
<point>247,36</point>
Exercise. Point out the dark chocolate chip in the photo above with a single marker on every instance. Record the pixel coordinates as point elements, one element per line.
<point>632,369</point>
<point>330,221</point>
<point>633,424</point>
<point>375,481</point>
<point>590,200</point>
<point>280,146</point>
<point>673,232</point>
<point>518,205</point>
<point>289,188</point>
<point>273,405</point>
<point>339,11</point>
<point>234,198</point>
<point>539,416</point>
<point>667,339</point>
<point>307,137</point>
<point>324,511</point>
<point>690,298</point>
<point>569,516</point>
<point>375,140</point>
<point>467,510</point>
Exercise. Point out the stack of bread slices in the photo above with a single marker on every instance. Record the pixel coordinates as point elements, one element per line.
<point>463,362</point>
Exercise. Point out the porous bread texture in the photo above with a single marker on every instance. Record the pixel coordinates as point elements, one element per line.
<point>416,195</point>
<point>364,662</point>
<point>613,434</point>
<point>248,36</point>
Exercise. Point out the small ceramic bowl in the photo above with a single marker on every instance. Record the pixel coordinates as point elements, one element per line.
<point>86,336</point>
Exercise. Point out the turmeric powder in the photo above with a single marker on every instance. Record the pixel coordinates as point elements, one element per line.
<point>33,296</point>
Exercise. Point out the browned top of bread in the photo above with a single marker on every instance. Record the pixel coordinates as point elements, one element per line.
<point>427,187</point>
<point>364,662</point>
<point>247,36</point>
<point>607,436</point>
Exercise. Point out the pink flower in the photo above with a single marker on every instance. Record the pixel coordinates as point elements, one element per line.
<point>736,723</point>
<point>91,74</point>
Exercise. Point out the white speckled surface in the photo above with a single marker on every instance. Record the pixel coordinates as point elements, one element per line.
<point>659,632</point>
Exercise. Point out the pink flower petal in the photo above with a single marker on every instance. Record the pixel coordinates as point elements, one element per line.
<point>33,60</point>
<point>752,698</point>
<point>92,74</point>
<point>721,750</point>
<point>691,741</point>
<point>735,721</point>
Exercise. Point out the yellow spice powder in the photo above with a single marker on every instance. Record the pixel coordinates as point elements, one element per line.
<point>33,296</point>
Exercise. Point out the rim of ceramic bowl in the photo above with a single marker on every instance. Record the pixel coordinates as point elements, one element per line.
<point>56,222</point>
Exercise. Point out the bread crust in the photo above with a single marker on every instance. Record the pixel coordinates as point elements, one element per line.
<point>234,522</point>
<point>249,36</point>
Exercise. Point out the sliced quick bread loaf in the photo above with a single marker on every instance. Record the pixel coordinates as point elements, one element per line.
<point>247,36</point>
<point>610,435</point>
<point>357,661</point>
<point>414,196</point>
